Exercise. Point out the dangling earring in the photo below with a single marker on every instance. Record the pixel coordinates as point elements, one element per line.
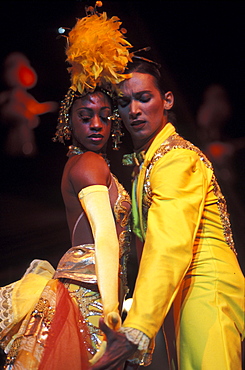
<point>116,129</point>
<point>63,129</point>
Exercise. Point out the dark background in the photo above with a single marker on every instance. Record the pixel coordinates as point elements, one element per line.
<point>196,42</point>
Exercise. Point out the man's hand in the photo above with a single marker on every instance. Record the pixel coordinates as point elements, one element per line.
<point>118,350</point>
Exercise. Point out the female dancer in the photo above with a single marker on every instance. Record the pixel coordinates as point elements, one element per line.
<point>49,319</point>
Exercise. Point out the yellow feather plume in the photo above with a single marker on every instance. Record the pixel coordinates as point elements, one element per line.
<point>97,52</point>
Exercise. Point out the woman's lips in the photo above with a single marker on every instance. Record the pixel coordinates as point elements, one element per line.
<point>96,137</point>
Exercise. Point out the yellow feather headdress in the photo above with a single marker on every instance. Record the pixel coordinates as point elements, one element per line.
<point>98,54</point>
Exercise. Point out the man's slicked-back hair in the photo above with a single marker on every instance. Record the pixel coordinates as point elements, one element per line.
<point>147,67</point>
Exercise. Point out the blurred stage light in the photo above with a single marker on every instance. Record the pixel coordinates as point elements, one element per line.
<point>61,30</point>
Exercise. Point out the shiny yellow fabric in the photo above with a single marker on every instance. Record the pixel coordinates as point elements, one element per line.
<point>186,261</point>
<point>96,204</point>
<point>30,351</point>
<point>78,263</point>
<point>23,297</point>
<point>27,290</point>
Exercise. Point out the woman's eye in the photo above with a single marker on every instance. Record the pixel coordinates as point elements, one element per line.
<point>85,118</point>
<point>104,118</point>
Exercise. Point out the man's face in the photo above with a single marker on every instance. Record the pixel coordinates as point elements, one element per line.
<point>142,108</point>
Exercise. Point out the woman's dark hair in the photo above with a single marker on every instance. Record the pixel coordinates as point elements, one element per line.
<point>147,67</point>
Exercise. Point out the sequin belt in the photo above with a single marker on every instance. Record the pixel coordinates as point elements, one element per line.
<point>78,263</point>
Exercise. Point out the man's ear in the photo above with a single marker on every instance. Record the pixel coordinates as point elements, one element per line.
<point>168,100</point>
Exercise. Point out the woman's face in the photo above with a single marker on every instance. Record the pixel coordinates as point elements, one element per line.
<point>142,108</point>
<point>90,124</point>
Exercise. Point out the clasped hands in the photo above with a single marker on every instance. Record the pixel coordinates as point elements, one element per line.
<point>118,349</point>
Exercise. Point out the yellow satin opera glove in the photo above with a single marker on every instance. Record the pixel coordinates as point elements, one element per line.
<point>96,204</point>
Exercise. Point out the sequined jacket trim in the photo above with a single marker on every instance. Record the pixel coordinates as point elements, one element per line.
<point>175,141</point>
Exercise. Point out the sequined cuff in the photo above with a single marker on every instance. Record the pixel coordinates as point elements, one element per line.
<point>137,337</point>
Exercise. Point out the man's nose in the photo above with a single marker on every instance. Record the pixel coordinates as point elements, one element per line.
<point>134,110</point>
<point>96,123</point>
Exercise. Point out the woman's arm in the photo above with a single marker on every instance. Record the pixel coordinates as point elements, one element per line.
<point>90,178</point>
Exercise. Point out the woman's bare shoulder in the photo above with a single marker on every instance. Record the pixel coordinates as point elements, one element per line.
<point>88,169</point>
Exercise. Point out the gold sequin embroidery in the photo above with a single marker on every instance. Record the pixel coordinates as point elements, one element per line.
<point>89,302</point>
<point>177,142</point>
<point>122,214</point>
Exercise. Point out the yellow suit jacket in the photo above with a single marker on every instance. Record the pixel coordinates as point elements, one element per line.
<point>180,187</point>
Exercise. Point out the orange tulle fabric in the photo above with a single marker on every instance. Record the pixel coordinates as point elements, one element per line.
<point>68,338</point>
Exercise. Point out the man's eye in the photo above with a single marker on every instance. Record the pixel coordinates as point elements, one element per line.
<point>145,98</point>
<point>123,102</point>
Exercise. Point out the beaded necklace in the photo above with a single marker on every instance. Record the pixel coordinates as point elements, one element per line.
<point>77,151</point>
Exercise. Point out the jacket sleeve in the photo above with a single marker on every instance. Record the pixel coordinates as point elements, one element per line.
<point>179,183</point>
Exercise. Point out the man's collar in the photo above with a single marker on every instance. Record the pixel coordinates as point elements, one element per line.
<point>133,159</point>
